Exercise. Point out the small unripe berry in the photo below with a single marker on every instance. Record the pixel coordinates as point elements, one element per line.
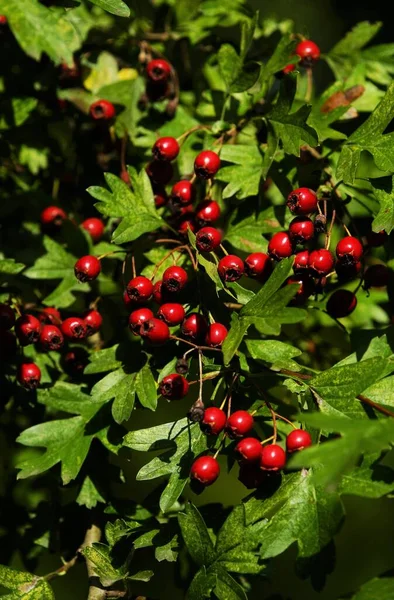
<point>194,327</point>
<point>309,52</point>
<point>174,386</point>
<point>138,317</point>
<point>321,262</point>
<point>7,316</point>
<point>102,109</point>
<point>349,249</point>
<point>205,470</point>
<point>239,424</point>
<point>182,193</point>
<point>53,216</point>
<point>248,450</point>
<point>155,331</point>
<point>29,375</point>
<point>231,268</point>
<point>341,304</point>
<point>273,458</point>
<point>160,172</point>
<point>214,421</point>
<point>172,313</point>
<point>27,329</point>
<point>51,338</point>
<point>207,212</point>
<point>216,335</point>
<point>280,246</point>
<point>298,439</point>
<point>165,148</point>
<point>376,276</point>
<point>87,268</point>
<point>208,239</point>
<point>73,328</point>
<point>301,230</point>
<point>3,20</point>
<point>92,321</point>
<point>158,70</point>
<point>94,227</point>
<point>258,264</point>
<point>302,201</point>
<point>174,279</point>
<point>140,289</point>
<point>207,164</point>
<point>301,262</point>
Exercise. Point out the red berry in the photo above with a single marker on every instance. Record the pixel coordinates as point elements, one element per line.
<point>208,239</point>
<point>3,20</point>
<point>341,304</point>
<point>165,148</point>
<point>50,315</point>
<point>273,458</point>
<point>288,69</point>
<point>155,331</point>
<point>174,279</point>
<point>102,109</point>
<point>248,450</point>
<point>321,262</point>
<point>51,338</point>
<point>125,176</point>
<point>306,288</point>
<point>207,212</point>
<point>95,228</point>
<point>75,361</point>
<point>231,268</point>
<point>7,316</point>
<point>138,317</point>
<point>172,313</point>
<point>251,475</point>
<point>8,345</point>
<point>216,335</point>
<point>87,268</point>
<point>185,224</point>
<point>347,270</point>
<point>349,249</point>
<point>53,216</point>
<point>73,328</point>
<point>280,246</point>
<point>301,230</point>
<point>298,439</point>
<point>213,421</point>
<point>239,424</point>
<point>309,53</point>
<point>258,265</point>
<point>129,304</point>
<point>301,262</point>
<point>182,193</point>
<point>160,172</point>
<point>376,239</point>
<point>29,375</point>
<point>158,70</point>
<point>161,197</point>
<point>27,329</point>
<point>158,292</point>
<point>174,386</point>
<point>92,321</point>
<point>205,470</point>
<point>302,201</point>
<point>140,289</point>
<point>207,164</point>
<point>376,276</point>
<point>194,327</point>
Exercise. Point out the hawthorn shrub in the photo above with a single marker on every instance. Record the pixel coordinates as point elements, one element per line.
<point>195,279</point>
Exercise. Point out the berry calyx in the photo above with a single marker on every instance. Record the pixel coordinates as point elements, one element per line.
<point>298,439</point>
<point>158,70</point>
<point>280,246</point>
<point>258,264</point>
<point>207,212</point>
<point>53,216</point>
<point>165,148</point>
<point>7,316</point>
<point>92,321</point>
<point>231,268</point>
<point>341,304</point>
<point>216,335</point>
<point>239,424</point>
<point>213,421</point>
<point>160,171</point>
<point>94,227</point>
<point>302,201</point>
<point>182,193</point>
<point>205,470</point>
<point>171,313</point>
<point>376,276</point>
<point>309,52</point>
<point>102,109</point>
<point>306,288</point>
<point>27,329</point>
<point>301,230</point>
<point>174,279</point>
<point>138,317</point>
<point>301,262</point>
<point>73,328</point>
<point>248,450</point>
<point>87,268</point>
<point>29,375</point>
<point>51,338</point>
<point>140,289</point>
<point>321,262</point>
<point>208,239</point>
<point>174,386</point>
<point>207,164</point>
<point>349,249</point>
<point>273,458</point>
<point>155,331</point>
<point>194,327</point>
<point>49,314</point>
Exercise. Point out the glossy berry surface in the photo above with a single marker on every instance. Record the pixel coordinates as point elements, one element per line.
<point>258,264</point>
<point>165,148</point>
<point>87,268</point>
<point>94,227</point>
<point>349,248</point>
<point>216,335</point>
<point>51,338</point>
<point>302,201</point>
<point>158,70</point>
<point>102,109</point>
<point>155,331</point>
<point>301,230</point>
<point>158,292</point>
<point>29,375</point>
<point>341,304</point>
<point>309,52</point>
<point>138,317</point>
<point>194,327</point>
<point>73,328</point>
<point>27,329</point>
<point>171,313</point>
<point>231,268</point>
<point>174,279</point>
<point>280,245</point>
<point>140,289</point>
<point>273,458</point>
<point>160,171</point>
<point>214,421</point>
<point>301,262</point>
<point>239,423</point>
<point>49,314</point>
<point>207,212</point>
<point>321,262</point>
<point>92,321</point>
<point>248,450</point>
<point>53,216</point>
<point>182,192</point>
<point>306,288</point>
<point>7,316</point>
<point>298,439</point>
<point>207,164</point>
<point>174,386</point>
<point>205,470</point>
<point>208,239</point>
<point>376,276</point>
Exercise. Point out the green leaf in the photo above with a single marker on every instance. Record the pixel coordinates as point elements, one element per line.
<point>195,535</point>
<point>247,234</point>
<point>256,306</point>
<point>115,7</point>
<point>145,386</point>
<point>226,587</point>
<point>280,57</point>
<point>274,352</point>
<point>370,479</point>
<point>234,337</point>
<point>103,360</point>
<point>10,267</point>
<point>202,585</point>
<point>379,589</point>
<point>346,53</point>
<point>25,586</point>
<point>89,495</point>
<point>243,179</point>
<point>99,555</point>
<point>141,576</point>
<point>384,220</point>
<point>16,111</point>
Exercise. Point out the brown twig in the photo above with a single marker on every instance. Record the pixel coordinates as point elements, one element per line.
<point>96,592</point>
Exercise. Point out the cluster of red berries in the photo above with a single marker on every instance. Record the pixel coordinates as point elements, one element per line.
<point>52,218</point>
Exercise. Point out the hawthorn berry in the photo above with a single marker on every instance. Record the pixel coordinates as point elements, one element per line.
<point>51,338</point>
<point>341,304</point>
<point>53,216</point>
<point>49,314</point>
<point>301,262</point>
<point>321,262</point>
<point>138,317</point>
<point>213,421</point>
<point>8,345</point>
<point>306,288</point>
<point>129,304</point>
<point>273,458</point>
<point>182,366</point>
<point>27,329</point>
<point>248,450</point>
<point>159,292</point>
<point>92,321</point>
<point>216,335</point>
<point>94,227</point>
<point>302,201</point>
<point>298,439</point>
<point>207,164</point>
<point>194,327</point>
<point>280,246</point>
<point>231,268</point>
<point>29,375</point>
<point>347,270</point>
<point>174,386</point>
<point>309,52</point>
<point>160,172</point>
<point>349,250</point>
<point>155,331</point>
<point>7,316</point>
<point>3,20</point>
<point>239,424</point>
<point>165,148</point>
<point>376,239</point>
<point>87,268</point>
<point>158,70</point>
<point>301,230</point>
<point>75,361</point>
<point>174,279</point>
<point>140,289</point>
<point>186,223</point>
<point>172,313</point>
<point>161,197</point>
<point>207,212</point>
<point>73,328</point>
<point>258,264</point>
<point>182,193</point>
<point>102,109</point>
<point>205,470</point>
<point>376,276</point>
<point>288,69</point>
<point>208,239</point>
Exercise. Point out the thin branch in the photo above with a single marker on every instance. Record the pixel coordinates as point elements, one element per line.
<point>96,592</point>
<point>63,569</point>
